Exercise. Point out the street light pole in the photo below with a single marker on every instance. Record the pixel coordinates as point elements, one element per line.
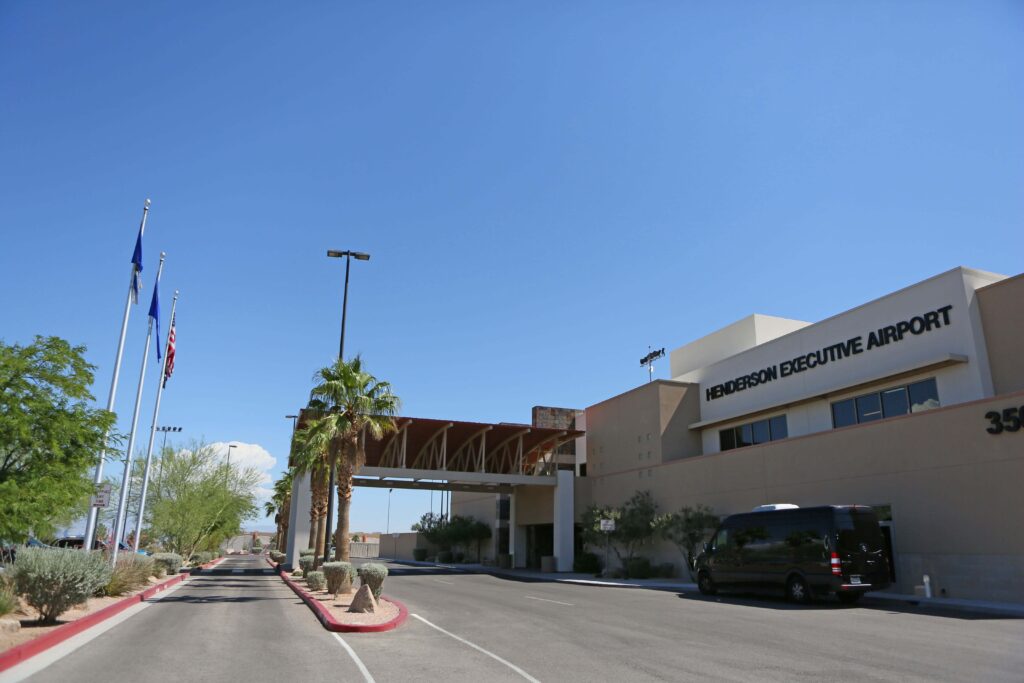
<point>347,255</point>
<point>163,447</point>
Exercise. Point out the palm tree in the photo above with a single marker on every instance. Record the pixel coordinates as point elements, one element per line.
<point>349,405</point>
<point>310,457</point>
<point>280,505</point>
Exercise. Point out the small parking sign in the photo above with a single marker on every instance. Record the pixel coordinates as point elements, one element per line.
<point>607,525</point>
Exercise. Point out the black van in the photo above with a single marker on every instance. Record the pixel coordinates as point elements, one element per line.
<point>807,552</point>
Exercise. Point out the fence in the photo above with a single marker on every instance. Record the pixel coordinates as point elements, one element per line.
<point>364,549</point>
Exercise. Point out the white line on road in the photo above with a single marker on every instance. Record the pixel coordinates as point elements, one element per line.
<point>480,649</point>
<point>37,663</point>
<point>355,658</point>
<point>450,583</point>
<point>557,602</point>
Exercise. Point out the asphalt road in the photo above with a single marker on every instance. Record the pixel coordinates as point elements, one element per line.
<point>476,627</point>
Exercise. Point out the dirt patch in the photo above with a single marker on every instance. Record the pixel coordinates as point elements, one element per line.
<point>30,628</point>
<point>338,607</point>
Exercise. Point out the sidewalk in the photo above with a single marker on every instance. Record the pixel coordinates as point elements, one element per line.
<point>1010,609</point>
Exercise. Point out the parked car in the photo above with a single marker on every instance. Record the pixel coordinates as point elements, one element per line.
<point>9,551</point>
<point>805,552</point>
<point>97,544</point>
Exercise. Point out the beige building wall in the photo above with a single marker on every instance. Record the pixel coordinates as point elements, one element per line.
<point>954,489</point>
<point>1002,315</point>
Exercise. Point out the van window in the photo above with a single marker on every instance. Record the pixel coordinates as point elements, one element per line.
<point>721,540</point>
<point>858,528</point>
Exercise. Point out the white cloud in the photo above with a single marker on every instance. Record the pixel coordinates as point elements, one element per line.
<point>255,456</point>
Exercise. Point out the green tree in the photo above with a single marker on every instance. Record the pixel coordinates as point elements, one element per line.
<point>203,501</point>
<point>50,438</point>
<point>347,406</point>
<point>310,457</point>
<point>687,529</point>
<point>634,525</point>
<point>279,505</point>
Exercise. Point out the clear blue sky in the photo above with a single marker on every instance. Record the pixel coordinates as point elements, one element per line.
<point>546,188</point>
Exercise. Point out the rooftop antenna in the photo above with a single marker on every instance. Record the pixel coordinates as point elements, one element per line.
<point>649,359</point>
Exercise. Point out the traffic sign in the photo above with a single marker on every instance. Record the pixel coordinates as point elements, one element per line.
<point>102,497</point>
<point>607,525</point>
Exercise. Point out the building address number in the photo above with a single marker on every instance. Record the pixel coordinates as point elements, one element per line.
<point>1007,421</point>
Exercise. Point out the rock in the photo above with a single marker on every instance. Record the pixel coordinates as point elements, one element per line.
<point>363,601</point>
<point>13,625</point>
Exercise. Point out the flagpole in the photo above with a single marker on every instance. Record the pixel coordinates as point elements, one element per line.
<point>90,526</point>
<point>152,427</point>
<point>122,505</point>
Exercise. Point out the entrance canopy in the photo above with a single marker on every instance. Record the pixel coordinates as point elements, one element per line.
<point>464,456</point>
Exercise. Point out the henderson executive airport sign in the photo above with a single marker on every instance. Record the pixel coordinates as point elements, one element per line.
<point>883,336</point>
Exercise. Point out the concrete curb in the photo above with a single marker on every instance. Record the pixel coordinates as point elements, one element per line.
<point>332,624</point>
<point>20,653</point>
<point>209,565</point>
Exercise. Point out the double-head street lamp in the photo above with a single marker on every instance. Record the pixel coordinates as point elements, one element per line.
<point>348,256</point>
<point>230,446</point>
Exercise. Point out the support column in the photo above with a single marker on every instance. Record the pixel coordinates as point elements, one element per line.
<point>298,520</point>
<point>564,521</point>
<point>516,535</point>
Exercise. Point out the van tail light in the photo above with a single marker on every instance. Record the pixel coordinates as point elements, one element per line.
<point>837,567</point>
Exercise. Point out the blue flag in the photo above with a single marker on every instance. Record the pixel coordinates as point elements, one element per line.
<point>137,265</point>
<point>154,313</point>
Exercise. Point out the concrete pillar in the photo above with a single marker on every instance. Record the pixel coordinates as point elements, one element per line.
<point>298,521</point>
<point>564,547</point>
<point>516,535</point>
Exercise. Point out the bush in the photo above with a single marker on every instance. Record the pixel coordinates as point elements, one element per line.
<point>419,554</point>
<point>8,598</point>
<point>276,556</point>
<point>306,563</point>
<point>339,576</point>
<point>444,556</point>
<point>201,557</point>
<point>373,575</point>
<point>307,551</point>
<point>459,556</point>
<point>587,563</point>
<point>666,570</point>
<point>316,581</point>
<point>169,562</point>
<point>54,580</point>
<point>130,573</point>
<point>638,568</point>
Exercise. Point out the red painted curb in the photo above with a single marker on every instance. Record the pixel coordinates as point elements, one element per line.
<point>19,653</point>
<point>332,624</point>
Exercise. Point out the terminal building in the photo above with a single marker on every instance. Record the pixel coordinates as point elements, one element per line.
<point>911,403</point>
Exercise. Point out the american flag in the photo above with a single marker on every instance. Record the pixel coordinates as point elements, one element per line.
<point>170,352</point>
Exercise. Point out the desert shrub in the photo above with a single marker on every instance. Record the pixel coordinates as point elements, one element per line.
<point>419,554</point>
<point>459,556</point>
<point>638,568</point>
<point>444,556</point>
<point>587,563</point>
<point>666,570</point>
<point>8,598</point>
<point>373,575</point>
<point>316,581</point>
<point>201,557</point>
<point>339,576</point>
<point>306,563</point>
<point>170,562</point>
<point>54,580</point>
<point>130,573</point>
<point>277,556</point>
<point>307,551</point>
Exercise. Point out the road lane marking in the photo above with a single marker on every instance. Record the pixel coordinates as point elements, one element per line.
<point>557,602</point>
<point>450,583</point>
<point>355,658</point>
<point>37,663</point>
<point>480,649</point>
<point>237,571</point>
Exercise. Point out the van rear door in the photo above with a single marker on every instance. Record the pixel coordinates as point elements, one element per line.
<point>861,547</point>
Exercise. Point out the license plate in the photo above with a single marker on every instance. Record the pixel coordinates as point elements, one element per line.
<point>855,580</point>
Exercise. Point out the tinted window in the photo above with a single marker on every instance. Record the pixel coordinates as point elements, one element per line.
<point>727,439</point>
<point>869,408</point>
<point>894,402</point>
<point>844,414</point>
<point>761,431</point>
<point>923,396</point>
<point>779,428</point>
<point>858,527</point>
<point>722,539</point>
<point>744,436</point>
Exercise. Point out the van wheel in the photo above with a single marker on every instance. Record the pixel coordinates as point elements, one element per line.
<point>705,584</point>
<point>798,591</point>
<point>849,598</point>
